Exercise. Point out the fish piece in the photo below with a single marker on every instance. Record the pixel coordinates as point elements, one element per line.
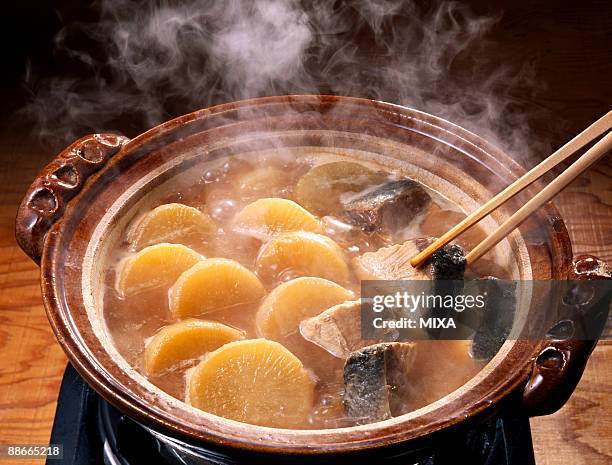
<point>447,268</point>
<point>497,316</point>
<point>444,269</point>
<point>337,329</point>
<point>401,359</point>
<point>366,394</point>
<point>375,379</point>
<point>448,263</point>
<point>390,207</point>
<point>393,262</point>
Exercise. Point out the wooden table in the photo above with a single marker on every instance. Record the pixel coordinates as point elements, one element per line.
<point>32,362</point>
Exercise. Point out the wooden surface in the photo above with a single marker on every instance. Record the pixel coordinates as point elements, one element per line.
<point>581,432</point>
<point>32,362</point>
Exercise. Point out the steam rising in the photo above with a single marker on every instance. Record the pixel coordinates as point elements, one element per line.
<point>140,63</point>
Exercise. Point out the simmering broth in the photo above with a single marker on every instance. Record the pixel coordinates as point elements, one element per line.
<point>135,311</point>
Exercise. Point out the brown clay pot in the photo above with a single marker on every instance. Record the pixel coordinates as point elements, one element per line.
<point>83,199</point>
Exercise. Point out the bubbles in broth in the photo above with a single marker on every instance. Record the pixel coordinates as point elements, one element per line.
<point>231,292</point>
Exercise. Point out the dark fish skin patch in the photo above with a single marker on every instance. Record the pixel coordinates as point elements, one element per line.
<point>366,394</point>
<point>390,207</point>
<point>448,263</point>
<point>376,379</point>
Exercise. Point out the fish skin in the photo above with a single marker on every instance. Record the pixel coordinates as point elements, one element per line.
<point>375,380</point>
<point>390,207</point>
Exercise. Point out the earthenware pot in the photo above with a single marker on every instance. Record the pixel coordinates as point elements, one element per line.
<point>81,202</point>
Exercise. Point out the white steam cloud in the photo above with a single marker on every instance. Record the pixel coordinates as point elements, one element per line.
<point>140,63</point>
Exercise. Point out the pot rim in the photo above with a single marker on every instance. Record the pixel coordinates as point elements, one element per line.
<point>263,439</point>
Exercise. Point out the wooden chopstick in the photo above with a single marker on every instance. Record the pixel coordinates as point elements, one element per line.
<point>586,160</point>
<point>595,130</point>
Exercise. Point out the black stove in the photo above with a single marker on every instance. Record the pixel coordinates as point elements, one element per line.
<point>94,433</point>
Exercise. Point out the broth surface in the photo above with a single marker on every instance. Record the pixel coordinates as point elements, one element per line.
<point>221,192</point>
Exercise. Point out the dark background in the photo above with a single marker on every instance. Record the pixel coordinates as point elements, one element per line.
<point>568,42</point>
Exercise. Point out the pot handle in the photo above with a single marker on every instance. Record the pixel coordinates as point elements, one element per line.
<point>57,183</point>
<point>558,367</point>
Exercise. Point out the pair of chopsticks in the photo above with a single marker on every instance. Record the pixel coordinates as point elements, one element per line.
<point>597,129</point>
